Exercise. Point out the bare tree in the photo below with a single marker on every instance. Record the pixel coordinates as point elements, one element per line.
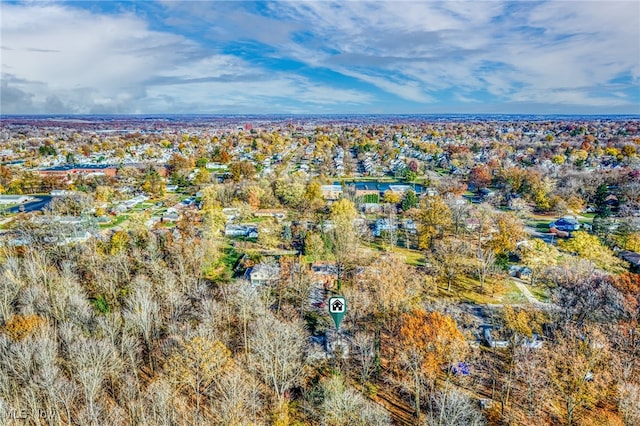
<point>236,399</point>
<point>629,403</point>
<point>448,256</point>
<point>277,353</point>
<point>343,405</point>
<point>450,407</point>
<point>90,362</point>
<point>141,313</point>
<point>160,405</point>
<point>11,284</point>
<point>485,263</point>
<point>197,366</point>
<point>365,349</point>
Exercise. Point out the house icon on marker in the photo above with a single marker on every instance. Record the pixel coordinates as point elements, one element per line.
<point>337,306</point>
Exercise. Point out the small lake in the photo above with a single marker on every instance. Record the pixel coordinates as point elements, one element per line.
<point>40,202</point>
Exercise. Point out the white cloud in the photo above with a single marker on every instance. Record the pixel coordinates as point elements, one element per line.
<point>65,58</point>
<point>506,49</point>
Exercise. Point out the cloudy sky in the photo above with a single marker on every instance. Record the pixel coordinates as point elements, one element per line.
<point>154,57</point>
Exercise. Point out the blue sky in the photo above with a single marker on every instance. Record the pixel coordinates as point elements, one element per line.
<point>154,57</point>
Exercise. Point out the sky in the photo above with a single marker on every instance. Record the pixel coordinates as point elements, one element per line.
<point>320,57</point>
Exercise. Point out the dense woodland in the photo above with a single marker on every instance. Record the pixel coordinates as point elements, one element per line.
<point>156,325</point>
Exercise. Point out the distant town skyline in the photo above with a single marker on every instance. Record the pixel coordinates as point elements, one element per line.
<point>320,57</point>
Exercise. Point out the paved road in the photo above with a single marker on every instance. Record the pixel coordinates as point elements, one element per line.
<point>547,237</point>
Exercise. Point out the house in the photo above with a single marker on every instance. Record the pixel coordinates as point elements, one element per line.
<point>80,169</point>
<point>566,223</point>
<point>331,192</point>
<point>230,213</point>
<point>171,215</point>
<point>632,257</point>
<point>278,214</point>
<point>430,192</point>
<point>399,189</point>
<point>61,192</point>
<point>383,225</point>
<point>76,237</point>
<point>486,193</point>
<point>410,226</point>
<point>14,199</point>
<point>370,207</point>
<point>263,274</point>
<point>249,231</point>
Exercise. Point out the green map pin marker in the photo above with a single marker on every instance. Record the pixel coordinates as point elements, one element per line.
<point>337,309</point>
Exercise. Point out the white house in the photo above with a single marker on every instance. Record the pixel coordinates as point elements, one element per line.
<point>384,225</point>
<point>263,274</point>
<point>14,199</point>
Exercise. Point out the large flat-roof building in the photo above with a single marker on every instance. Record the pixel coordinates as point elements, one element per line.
<point>80,169</point>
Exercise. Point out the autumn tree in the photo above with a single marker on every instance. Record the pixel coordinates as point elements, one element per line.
<point>20,326</point>
<point>591,248</point>
<point>196,366</point>
<point>509,230</point>
<point>538,256</point>
<point>290,190</point>
<point>428,342</point>
<point>578,370</point>
<point>389,287</point>
<point>480,176</point>
<point>343,234</point>
<point>391,197</point>
<point>449,258</point>
<point>434,217</point>
<point>314,246</point>
<point>242,170</point>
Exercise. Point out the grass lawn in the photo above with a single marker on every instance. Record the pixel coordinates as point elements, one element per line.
<point>230,257</point>
<point>538,223</point>
<point>539,293</point>
<point>496,291</point>
<point>412,257</point>
<point>117,221</point>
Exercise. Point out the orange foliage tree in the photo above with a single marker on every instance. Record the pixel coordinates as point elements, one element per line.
<point>429,342</point>
<point>20,326</point>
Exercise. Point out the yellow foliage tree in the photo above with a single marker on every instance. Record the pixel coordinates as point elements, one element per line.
<point>591,248</point>
<point>391,197</point>
<point>434,217</point>
<point>538,256</point>
<point>510,230</point>
<point>119,242</point>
